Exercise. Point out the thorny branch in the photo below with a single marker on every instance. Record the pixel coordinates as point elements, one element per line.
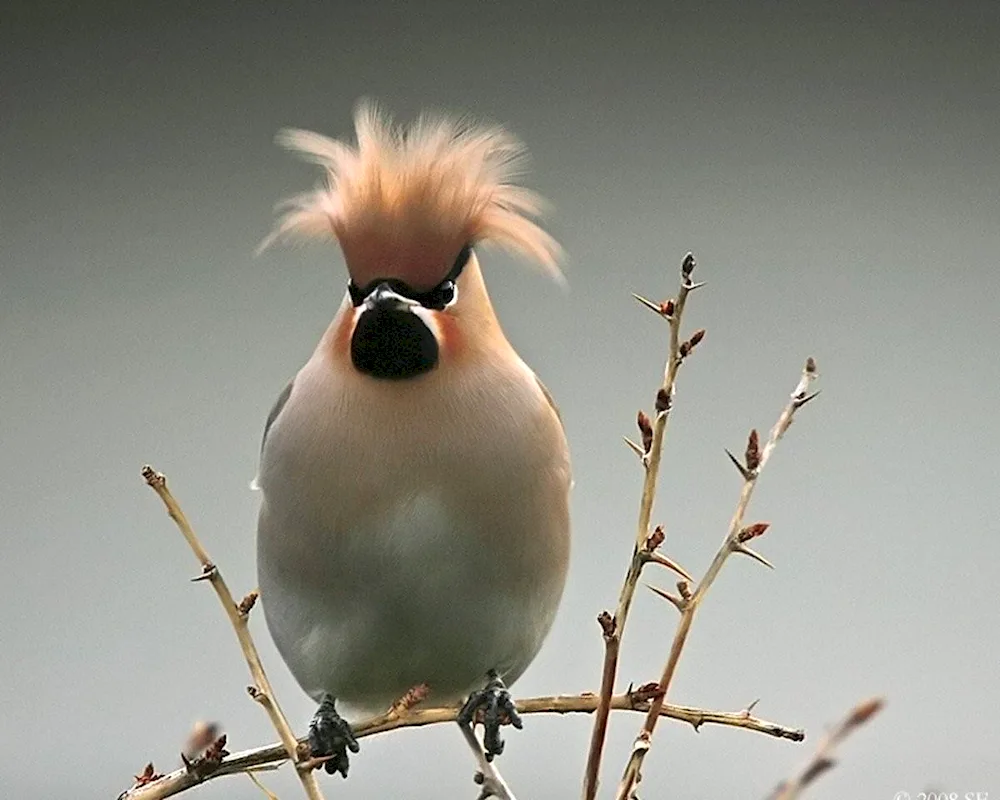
<point>822,759</point>
<point>653,434</point>
<point>396,718</point>
<point>261,690</point>
<point>734,542</point>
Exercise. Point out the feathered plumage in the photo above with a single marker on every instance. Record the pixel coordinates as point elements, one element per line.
<point>403,202</point>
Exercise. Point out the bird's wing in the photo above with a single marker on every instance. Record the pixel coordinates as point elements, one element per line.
<point>549,398</point>
<point>276,410</point>
<point>279,404</point>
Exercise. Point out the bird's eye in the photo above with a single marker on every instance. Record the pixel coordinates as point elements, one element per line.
<point>446,293</point>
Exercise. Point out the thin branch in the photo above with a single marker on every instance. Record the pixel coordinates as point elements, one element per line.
<point>638,700</point>
<point>488,776</point>
<point>822,759</point>
<point>261,690</point>
<point>735,536</point>
<point>672,311</point>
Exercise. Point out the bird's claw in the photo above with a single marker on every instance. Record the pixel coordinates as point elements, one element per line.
<point>330,735</point>
<point>492,706</point>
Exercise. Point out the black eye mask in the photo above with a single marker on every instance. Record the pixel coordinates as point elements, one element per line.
<point>436,298</point>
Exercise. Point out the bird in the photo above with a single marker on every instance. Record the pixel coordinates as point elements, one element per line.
<point>414,522</point>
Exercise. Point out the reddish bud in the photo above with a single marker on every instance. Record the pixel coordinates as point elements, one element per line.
<point>667,308</point>
<point>248,603</point>
<point>655,539</point>
<point>662,401</point>
<point>810,365</point>
<point>753,451</point>
<point>752,531</point>
<point>216,751</point>
<point>646,429</point>
<point>865,711</point>
<point>685,589</point>
<point>148,775</point>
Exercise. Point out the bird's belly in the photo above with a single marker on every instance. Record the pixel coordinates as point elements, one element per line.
<point>430,589</point>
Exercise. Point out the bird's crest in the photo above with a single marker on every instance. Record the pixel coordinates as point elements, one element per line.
<point>403,202</point>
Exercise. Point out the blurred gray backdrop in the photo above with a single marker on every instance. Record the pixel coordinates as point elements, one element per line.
<point>835,168</point>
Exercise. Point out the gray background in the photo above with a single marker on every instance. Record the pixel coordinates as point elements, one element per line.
<point>835,168</point>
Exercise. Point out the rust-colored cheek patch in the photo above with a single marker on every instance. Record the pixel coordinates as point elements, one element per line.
<point>452,342</point>
<point>342,336</point>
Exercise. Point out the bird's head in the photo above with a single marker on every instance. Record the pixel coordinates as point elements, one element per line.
<point>408,208</point>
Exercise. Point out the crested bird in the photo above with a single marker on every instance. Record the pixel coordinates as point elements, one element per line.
<point>414,475</point>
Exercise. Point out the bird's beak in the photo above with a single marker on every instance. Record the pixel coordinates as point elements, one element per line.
<point>384,298</point>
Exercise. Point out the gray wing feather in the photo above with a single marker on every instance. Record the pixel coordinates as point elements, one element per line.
<point>276,411</point>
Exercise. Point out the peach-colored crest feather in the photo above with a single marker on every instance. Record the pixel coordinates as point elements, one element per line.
<point>403,202</point>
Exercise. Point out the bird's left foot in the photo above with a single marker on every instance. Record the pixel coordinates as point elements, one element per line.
<point>492,706</point>
<point>330,735</point>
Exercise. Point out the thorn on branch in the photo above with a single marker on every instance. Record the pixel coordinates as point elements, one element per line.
<point>664,309</point>
<point>805,398</point>
<point>678,602</point>
<point>663,561</point>
<point>747,475</point>
<point>742,549</point>
<point>207,573</point>
<point>753,451</point>
<point>634,447</point>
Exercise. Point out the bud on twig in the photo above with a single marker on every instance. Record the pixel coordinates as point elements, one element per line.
<point>248,603</point>
<point>752,531</point>
<point>655,539</point>
<point>663,401</point>
<point>645,429</point>
<point>863,712</point>
<point>688,265</point>
<point>753,451</point>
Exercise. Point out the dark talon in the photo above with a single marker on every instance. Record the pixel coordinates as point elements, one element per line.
<point>330,735</point>
<point>497,707</point>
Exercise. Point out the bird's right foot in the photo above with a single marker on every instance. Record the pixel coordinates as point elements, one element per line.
<point>330,735</point>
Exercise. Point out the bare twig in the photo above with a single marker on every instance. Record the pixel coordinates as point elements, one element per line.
<point>261,690</point>
<point>822,759</point>
<point>638,700</point>
<point>488,776</point>
<point>653,436</point>
<point>734,542</point>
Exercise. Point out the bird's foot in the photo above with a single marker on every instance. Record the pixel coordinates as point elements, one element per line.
<point>492,706</point>
<point>331,736</point>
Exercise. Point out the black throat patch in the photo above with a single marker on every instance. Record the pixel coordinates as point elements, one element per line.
<point>393,344</point>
